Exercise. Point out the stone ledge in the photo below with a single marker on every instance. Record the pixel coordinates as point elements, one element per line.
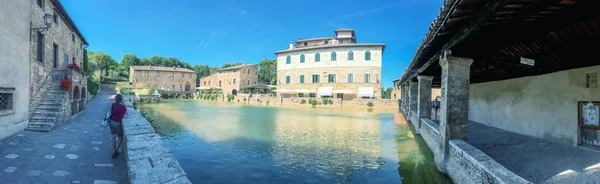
<point>489,171</point>
<point>149,160</point>
<point>432,125</point>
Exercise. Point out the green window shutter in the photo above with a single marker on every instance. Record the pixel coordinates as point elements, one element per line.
<point>301,58</point>
<point>287,79</point>
<point>350,78</point>
<point>301,79</point>
<point>368,55</point>
<point>333,56</point>
<point>350,55</point>
<point>367,76</point>
<point>288,60</point>
<point>317,57</point>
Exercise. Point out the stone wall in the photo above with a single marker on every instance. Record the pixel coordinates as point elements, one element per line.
<point>148,98</point>
<point>463,162</point>
<point>160,79</point>
<point>14,61</point>
<point>148,158</point>
<point>543,106</point>
<point>232,79</point>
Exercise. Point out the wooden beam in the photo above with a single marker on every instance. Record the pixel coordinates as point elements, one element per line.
<point>488,12</point>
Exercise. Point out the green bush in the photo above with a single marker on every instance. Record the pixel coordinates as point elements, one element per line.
<point>325,101</point>
<point>302,101</point>
<point>268,102</point>
<point>151,91</point>
<point>244,99</point>
<point>230,97</point>
<point>313,102</point>
<point>370,104</point>
<point>330,102</point>
<point>320,103</point>
<point>93,84</point>
<point>238,100</point>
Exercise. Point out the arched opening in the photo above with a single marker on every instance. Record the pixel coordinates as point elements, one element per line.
<point>219,83</point>
<point>83,99</point>
<point>234,92</point>
<point>75,102</point>
<point>187,86</point>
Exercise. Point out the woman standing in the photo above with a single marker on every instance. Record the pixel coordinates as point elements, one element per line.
<point>117,112</point>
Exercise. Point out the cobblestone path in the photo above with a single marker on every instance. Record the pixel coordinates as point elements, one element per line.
<point>78,151</point>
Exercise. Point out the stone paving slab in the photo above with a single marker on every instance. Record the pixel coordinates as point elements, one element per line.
<point>535,159</point>
<point>78,151</point>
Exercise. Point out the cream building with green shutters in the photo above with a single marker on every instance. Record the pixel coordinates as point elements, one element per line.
<point>330,67</point>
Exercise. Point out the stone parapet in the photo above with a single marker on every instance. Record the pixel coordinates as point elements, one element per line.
<point>149,160</point>
<point>463,162</point>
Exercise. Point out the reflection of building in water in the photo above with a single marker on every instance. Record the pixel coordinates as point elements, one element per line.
<point>327,144</point>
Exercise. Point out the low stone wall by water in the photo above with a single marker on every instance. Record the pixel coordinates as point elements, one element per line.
<point>149,160</point>
<point>463,163</point>
<point>148,98</point>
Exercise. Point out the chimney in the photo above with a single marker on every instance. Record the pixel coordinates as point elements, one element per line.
<point>291,45</point>
<point>244,63</point>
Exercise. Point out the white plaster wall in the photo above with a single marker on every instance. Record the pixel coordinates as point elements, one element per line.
<point>344,34</point>
<point>542,106</point>
<point>325,54</point>
<point>14,57</point>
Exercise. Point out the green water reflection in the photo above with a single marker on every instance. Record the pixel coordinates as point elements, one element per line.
<point>230,143</point>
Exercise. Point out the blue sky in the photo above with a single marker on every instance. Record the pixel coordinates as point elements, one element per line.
<point>218,31</point>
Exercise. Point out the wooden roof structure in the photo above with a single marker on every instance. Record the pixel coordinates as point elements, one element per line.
<point>556,34</point>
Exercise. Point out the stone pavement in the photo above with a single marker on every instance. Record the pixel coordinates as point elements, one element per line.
<point>535,159</point>
<point>78,151</point>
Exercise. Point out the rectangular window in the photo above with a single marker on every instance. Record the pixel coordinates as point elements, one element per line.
<point>182,75</point>
<point>315,78</point>
<point>40,47</point>
<point>312,95</point>
<point>301,79</point>
<point>331,78</point>
<point>7,101</point>
<point>147,73</point>
<point>40,3</point>
<point>157,74</point>
<point>55,55</point>
<point>55,17</point>
<point>350,78</point>
<point>367,78</point>
<point>73,37</point>
<point>287,79</point>
<point>139,74</point>
<point>300,94</point>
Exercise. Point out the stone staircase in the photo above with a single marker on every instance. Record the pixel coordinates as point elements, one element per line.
<point>52,109</point>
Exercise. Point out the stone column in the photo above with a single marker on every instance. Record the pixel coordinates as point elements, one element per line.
<point>424,106</point>
<point>454,106</point>
<point>402,98</point>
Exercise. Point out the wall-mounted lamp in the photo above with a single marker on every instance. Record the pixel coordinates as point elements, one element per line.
<point>47,21</point>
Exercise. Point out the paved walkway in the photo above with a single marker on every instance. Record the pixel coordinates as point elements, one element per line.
<point>78,151</point>
<point>534,159</point>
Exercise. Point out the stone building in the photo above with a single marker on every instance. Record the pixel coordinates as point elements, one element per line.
<point>232,79</point>
<point>39,40</point>
<point>163,78</point>
<point>330,67</point>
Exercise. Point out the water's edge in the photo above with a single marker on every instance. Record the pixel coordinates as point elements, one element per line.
<point>149,160</point>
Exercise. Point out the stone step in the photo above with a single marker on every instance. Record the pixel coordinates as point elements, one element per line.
<point>50,108</point>
<point>52,101</point>
<point>45,113</point>
<point>65,96</point>
<point>43,119</point>
<point>40,127</point>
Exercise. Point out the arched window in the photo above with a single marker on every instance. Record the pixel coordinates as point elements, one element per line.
<point>333,56</point>
<point>350,55</point>
<point>367,55</point>
<point>301,58</point>
<point>317,57</point>
<point>288,60</point>
<point>233,81</point>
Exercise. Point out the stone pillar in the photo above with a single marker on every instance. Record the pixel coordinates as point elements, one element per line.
<point>413,96</point>
<point>454,106</point>
<point>424,98</point>
<point>402,98</point>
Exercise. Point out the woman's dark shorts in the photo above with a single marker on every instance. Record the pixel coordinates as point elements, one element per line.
<point>115,128</point>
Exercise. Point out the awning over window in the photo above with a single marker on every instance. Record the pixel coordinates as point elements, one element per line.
<point>365,91</point>
<point>343,91</point>
<point>325,91</point>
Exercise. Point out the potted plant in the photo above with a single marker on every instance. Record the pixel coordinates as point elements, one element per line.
<point>65,84</point>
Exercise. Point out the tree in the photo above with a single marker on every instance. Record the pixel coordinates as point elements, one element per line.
<point>130,59</point>
<point>267,72</point>
<point>85,61</point>
<point>104,61</point>
<point>202,71</point>
<point>386,93</point>
<point>230,64</point>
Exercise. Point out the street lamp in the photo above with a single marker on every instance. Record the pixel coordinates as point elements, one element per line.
<point>47,21</point>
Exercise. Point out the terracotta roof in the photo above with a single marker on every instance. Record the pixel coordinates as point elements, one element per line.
<point>331,46</point>
<point>235,67</point>
<point>162,68</point>
<point>63,13</point>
